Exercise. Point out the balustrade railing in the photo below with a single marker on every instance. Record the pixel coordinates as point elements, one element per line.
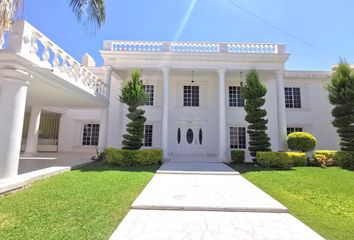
<point>194,47</point>
<point>30,43</point>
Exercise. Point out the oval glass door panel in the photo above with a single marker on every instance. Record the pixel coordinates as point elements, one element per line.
<point>200,136</point>
<point>179,136</point>
<point>189,136</point>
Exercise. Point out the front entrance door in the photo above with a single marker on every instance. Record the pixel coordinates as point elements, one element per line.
<point>190,140</point>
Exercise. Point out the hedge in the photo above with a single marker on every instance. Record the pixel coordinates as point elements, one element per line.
<point>343,159</point>
<point>283,160</point>
<point>325,158</point>
<point>237,156</point>
<point>301,141</point>
<point>123,157</point>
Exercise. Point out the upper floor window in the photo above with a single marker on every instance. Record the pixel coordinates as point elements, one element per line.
<point>149,90</point>
<point>293,129</point>
<point>237,137</point>
<point>235,99</point>
<point>191,96</point>
<point>147,141</point>
<point>90,134</point>
<point>292,97</point>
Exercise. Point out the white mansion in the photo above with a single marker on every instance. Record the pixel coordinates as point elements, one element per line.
<point>51,102</point>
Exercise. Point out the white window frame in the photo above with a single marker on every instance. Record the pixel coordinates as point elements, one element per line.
<point>294,128</point>
<point>150,91</point>
<point>189,96</point>
<point>292,100</point>
<point>152,135</point>
<point>235,99</point>
<point>91,133</point>
<point>238,145</point>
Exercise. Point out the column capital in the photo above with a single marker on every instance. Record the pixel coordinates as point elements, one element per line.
<point>221,71</point>
<point>166,70</point>
<point>108,69</point>
<point>16,76</point>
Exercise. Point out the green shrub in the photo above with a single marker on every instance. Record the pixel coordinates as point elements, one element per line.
<point>283,160</point>
<point>123,157</point>
<point>301,141</point>
<point>237,156</point>
<point>325,158</point>
<point>299,158</point>
<point>345,159</point>
<point>327,153</point>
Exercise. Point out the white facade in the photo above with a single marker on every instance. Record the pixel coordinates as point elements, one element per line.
<point>193,113</point>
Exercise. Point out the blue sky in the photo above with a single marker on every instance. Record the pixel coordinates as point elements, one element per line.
<point>328,25</point>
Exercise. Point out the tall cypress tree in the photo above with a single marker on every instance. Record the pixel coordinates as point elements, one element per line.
<point>253,92</point>
<point>341,95</point>
<point>134,96</point>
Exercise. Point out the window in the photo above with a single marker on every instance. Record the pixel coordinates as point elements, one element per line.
<point>293,129</point>
<point>237,137</point>
<point>149,90</point>
<point>235,99</point>
<point>90,134</point>
<point>191,96</point>
<point>292,97</point>
<point>147,142</point>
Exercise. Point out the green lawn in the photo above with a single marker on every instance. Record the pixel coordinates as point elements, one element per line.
<point>321,198</point>
<point>88,203</point>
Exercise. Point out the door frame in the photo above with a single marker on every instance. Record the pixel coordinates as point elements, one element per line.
<point>178,149</point>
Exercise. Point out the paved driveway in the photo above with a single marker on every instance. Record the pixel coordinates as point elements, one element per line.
<point>207,201</point>
<point>29,163</point>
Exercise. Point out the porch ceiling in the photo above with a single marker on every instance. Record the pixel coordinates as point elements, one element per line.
<point>46,88</point>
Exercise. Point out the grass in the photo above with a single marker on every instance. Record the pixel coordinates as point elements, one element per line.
<point>323,198</point>
<point>88,203</point>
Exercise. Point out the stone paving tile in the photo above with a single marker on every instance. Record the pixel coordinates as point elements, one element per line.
<point>189,225</point>
<point>205,192</point>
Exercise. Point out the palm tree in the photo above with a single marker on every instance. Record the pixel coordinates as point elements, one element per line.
<point>87,13</point>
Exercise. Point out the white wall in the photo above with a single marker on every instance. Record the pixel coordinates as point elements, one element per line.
<point>70,129</point>
<point>315,115</point>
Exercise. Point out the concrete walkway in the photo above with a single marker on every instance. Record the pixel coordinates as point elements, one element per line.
<point>207,201</point>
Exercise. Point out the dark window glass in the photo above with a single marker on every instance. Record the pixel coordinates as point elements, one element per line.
<point>191,96</point>
<point>293,129</point>
<point>189,136</point>
<point>90,134</point>
<point>237,137</point>
<point>235,99</point>
<point>200,136</point>
<point>292,97</point>
<point>147,136</point>
<point>179,136</point>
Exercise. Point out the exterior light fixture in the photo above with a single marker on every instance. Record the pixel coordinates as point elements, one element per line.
<point>192,76</point>
<point>241,83</point>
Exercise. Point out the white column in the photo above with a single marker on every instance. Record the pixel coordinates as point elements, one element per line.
<point>12,109</point>
<point>164,132</point>
<point>102,138</point>
<point>33,131</point>
<point>281,112</point>
<point>222,116</point>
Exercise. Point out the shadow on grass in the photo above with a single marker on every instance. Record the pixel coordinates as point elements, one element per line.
<point>251,167</point>
<point>104,167</point>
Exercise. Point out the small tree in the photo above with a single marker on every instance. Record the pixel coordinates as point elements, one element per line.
<point>134,96</point>
<point>301,141</point>
<point>341,95</point>
<point>253,92</point>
